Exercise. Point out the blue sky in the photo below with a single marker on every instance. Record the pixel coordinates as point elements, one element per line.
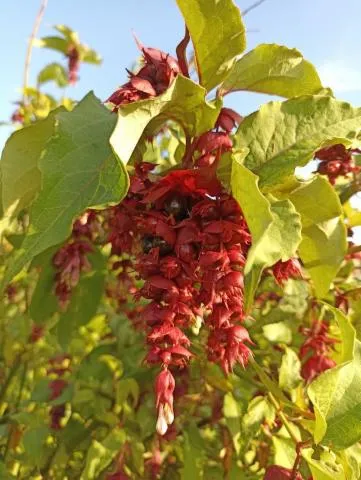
<point>325,31</point>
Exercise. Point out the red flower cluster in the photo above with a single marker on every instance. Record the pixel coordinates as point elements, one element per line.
<point>69,262</point>
<point>336,161</point>
<point>211,145</point>
<point>59,365</point>
<point>194,240</point>
<point>71,259</point>
<point>275,472</point>
<point>73,64</point>
<point>314,350</point>
<point>282,271</point>
<point>153,78</point>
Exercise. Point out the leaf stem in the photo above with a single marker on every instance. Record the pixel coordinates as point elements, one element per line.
<point>29,50</point>
<point>283,417</point>
<point>181,53</point>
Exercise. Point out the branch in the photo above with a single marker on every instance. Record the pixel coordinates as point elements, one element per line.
<point>252,7</point>
<point>29,50</point>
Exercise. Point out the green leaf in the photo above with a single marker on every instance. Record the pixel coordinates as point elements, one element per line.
<point>34,444</point>
<point>53,72</point>
<point>184,102</point>
<point>284,135</point>
<point>284,451</point>
<point>273,69</point>
<point>232,414</point>
<point>87,55</point>
<point>324,468</point>
<point>54,43</point>
<point>44,302</point>
<point>335,393</point>
<point>21,177</point>
<point>218,36</point>
<point>70,35</point>
<point>289,371</point>
<point>79,170</point>
<point>4,474</point>
<point>275,226</point>
<point>193,454</point>
<point>100,455</point>
<point>324,242</point>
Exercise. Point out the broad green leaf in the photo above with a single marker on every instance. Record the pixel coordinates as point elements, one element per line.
<point>79,170</point>
<point>44,302</point>
<point>54,43</point>
<point>335,394</point>
<point>54,72</point>
<point>324,468</point>
<point>21,177</point>
<point>34,444</point>
<point>275,225</point>
<point>284,135</point>
<point>289,371</point>
<point>100,455</point>
<point>324,243</point>
<point>259,410</point>
<point>232,414</point>
<point>4,474</point>
<point>218,35</point>
<point>193,454</point>
<point>184,102</point>
<point>273,69</point>
<point>353,215</point>
<point>284,451</point>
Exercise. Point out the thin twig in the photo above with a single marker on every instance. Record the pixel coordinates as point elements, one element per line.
<point>29,50</point>
<point>252,7</point>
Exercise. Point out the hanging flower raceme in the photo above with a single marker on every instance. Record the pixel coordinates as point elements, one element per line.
<point>72,258</point>
<point>336,161</point>
<point>156,75</point>
<point>193,240</point>
<point>315,349</point>
<point>70,261</point>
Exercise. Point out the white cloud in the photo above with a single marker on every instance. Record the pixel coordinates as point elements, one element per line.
<point>340,77</point>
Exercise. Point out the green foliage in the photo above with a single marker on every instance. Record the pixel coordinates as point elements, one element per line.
<point>184,102</point>
<point>275,70</point>
<point>76,393</point>
<point>324,244</point>
<point>218,36</point>
<point>78,135</point>
<point>284,135</point>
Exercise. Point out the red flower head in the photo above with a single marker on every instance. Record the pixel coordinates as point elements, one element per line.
<point>228,119</point>
<point>56,388</point>
<point>282,271</point>
<point>164,388</point>
<point>37,332</point>
<point>275,472</point>
<point>316,365</point>
<point>157,74</point>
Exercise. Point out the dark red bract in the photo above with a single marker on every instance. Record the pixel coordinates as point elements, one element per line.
<point>275,472</point>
